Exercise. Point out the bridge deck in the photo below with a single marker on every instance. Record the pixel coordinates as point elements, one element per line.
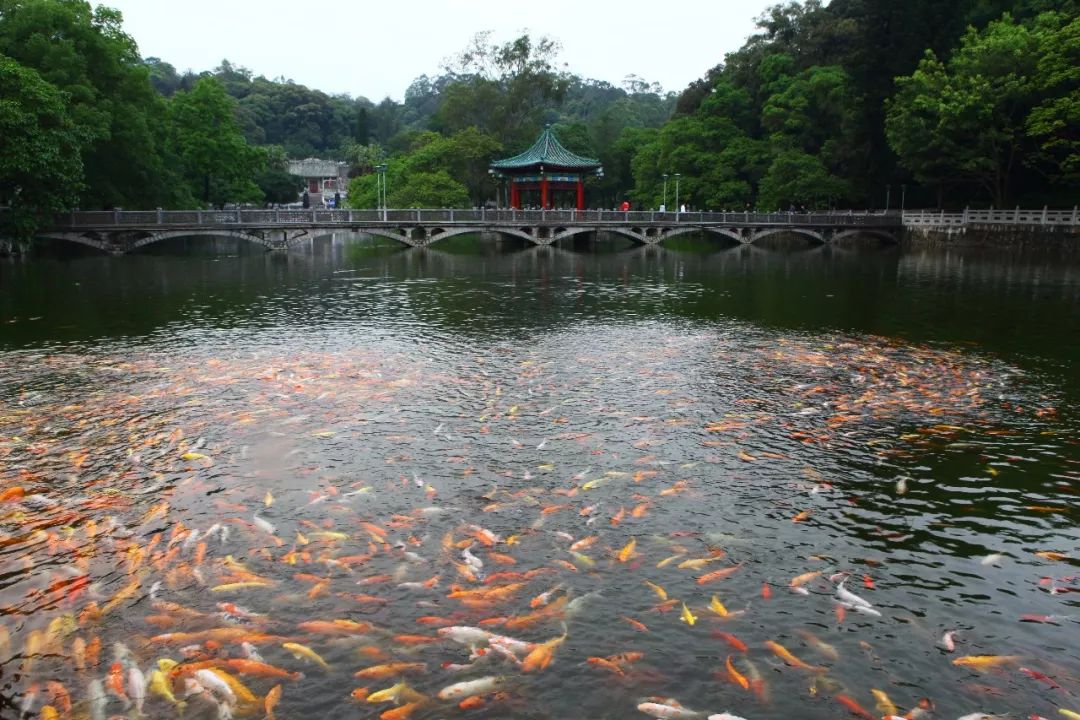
<point>318,218</point>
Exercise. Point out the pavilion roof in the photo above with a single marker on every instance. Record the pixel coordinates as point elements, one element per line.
<point>548,152</point>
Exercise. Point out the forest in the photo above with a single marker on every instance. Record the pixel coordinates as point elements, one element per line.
<point>967,102</point>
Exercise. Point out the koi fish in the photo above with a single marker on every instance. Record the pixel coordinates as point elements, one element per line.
<point>628,550</point>
<point>820,645</point>
<point>403,712</point>
<point>985,661</point>
<point>479,686</point>
<point>687,617</point>
<point>734,642</point>
<point>395,693</point>
<point>541,655</point>
<point>735,676</point>
<point>606,664</point>
<point>784,654</point>
<point>665,711</point>
<point>378,672</point>
<point>271,700</point>
<point>660,592</point>
<point>853,602</point>
<point>718,574</point>
<point>854,707</point>
<point>303,652</point>
<point>1041,677</point>
<point>884,705</point>
<point>257,668</point>
<point>718,607</point>
<point>948,641</point>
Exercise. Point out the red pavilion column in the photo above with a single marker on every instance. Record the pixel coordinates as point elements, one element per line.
<point>580,194</point>
<point>544,192</point>
<point>515,196</point>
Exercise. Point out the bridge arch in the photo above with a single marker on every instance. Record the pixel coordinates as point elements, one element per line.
<point>882,234</point>
<point>728,233</point>
<point>805,232</point>
<point>79,239</point>
<point>162,236</point>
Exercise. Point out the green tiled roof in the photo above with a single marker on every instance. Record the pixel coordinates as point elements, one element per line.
<point>548,152</point>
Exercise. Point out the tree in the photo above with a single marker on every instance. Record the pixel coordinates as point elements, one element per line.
<point>1055,122</point>
<point>275,182</point>
<point>40,166</point>
<point>965,120</point>
<point>795,177</point>
<point>502,90</point>
<point>218,164</point>
<point>119,119</point>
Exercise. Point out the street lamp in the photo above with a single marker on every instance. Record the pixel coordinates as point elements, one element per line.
<point>678,176</point>
<point>888,197</point>
<point>665,191</point>
<point>380,187</point>
<point>903,198</point>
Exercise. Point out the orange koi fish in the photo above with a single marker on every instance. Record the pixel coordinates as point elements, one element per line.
<point>731,640</point>
<point>735,676</point>
<point>541,655</point>
<point>379,672</point>
<point>782,652</point>
<point>718,574</point>
<point>985,661</point>
<point>855,708</point>
<point>260,669</point>
<point>606,664</point>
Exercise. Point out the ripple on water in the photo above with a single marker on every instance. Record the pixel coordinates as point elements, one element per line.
<point>374,452</point>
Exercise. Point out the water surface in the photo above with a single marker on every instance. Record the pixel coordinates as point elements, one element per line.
<point>428,432</point>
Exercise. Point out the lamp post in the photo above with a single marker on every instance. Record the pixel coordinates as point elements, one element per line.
<point>381,188</point>
<point>888,197</point>
<point>678,176</point>
<point>903,199</point>
<point>665,192</point>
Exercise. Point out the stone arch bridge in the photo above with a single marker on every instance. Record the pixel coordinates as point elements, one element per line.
<point>120,232</point>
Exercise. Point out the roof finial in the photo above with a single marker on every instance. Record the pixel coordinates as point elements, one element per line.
<point>547,126</point>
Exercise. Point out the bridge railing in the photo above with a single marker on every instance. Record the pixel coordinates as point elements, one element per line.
<point>482,216</point>
<point>1017,216</point>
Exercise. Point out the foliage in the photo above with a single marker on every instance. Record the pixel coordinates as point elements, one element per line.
<point>218,164</point>
<point>40,167</point>
<point>84,53</point>
<point>1006,92</point>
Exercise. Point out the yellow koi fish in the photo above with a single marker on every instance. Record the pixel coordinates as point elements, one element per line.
<point>784,654</point>
<point>884,705</point>
<point>718,607</point>
<point>628,550</point>
<point>660,592</point>
<point>687,617</point>
<point>304,652</point>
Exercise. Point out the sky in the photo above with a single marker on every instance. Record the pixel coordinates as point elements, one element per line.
<point>376,48</point>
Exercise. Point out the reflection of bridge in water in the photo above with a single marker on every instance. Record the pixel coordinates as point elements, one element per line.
<point>124,231</point>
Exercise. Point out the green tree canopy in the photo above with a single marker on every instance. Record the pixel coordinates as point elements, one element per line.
<point>218,164</point>
<point>40,166</point>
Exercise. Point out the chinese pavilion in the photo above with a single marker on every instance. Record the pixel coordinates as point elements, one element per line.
<point>545,169</point>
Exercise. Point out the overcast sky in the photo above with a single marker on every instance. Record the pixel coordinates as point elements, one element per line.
<point>376,48</point>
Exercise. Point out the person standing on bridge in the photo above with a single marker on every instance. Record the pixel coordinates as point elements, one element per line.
<point>625,207</point>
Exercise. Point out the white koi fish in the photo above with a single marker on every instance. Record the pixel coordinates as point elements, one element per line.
<point>480,686</point>
<point>464,635</point>
<point>667,712</point>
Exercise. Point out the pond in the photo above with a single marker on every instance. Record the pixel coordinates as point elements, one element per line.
<point>488,480</point>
